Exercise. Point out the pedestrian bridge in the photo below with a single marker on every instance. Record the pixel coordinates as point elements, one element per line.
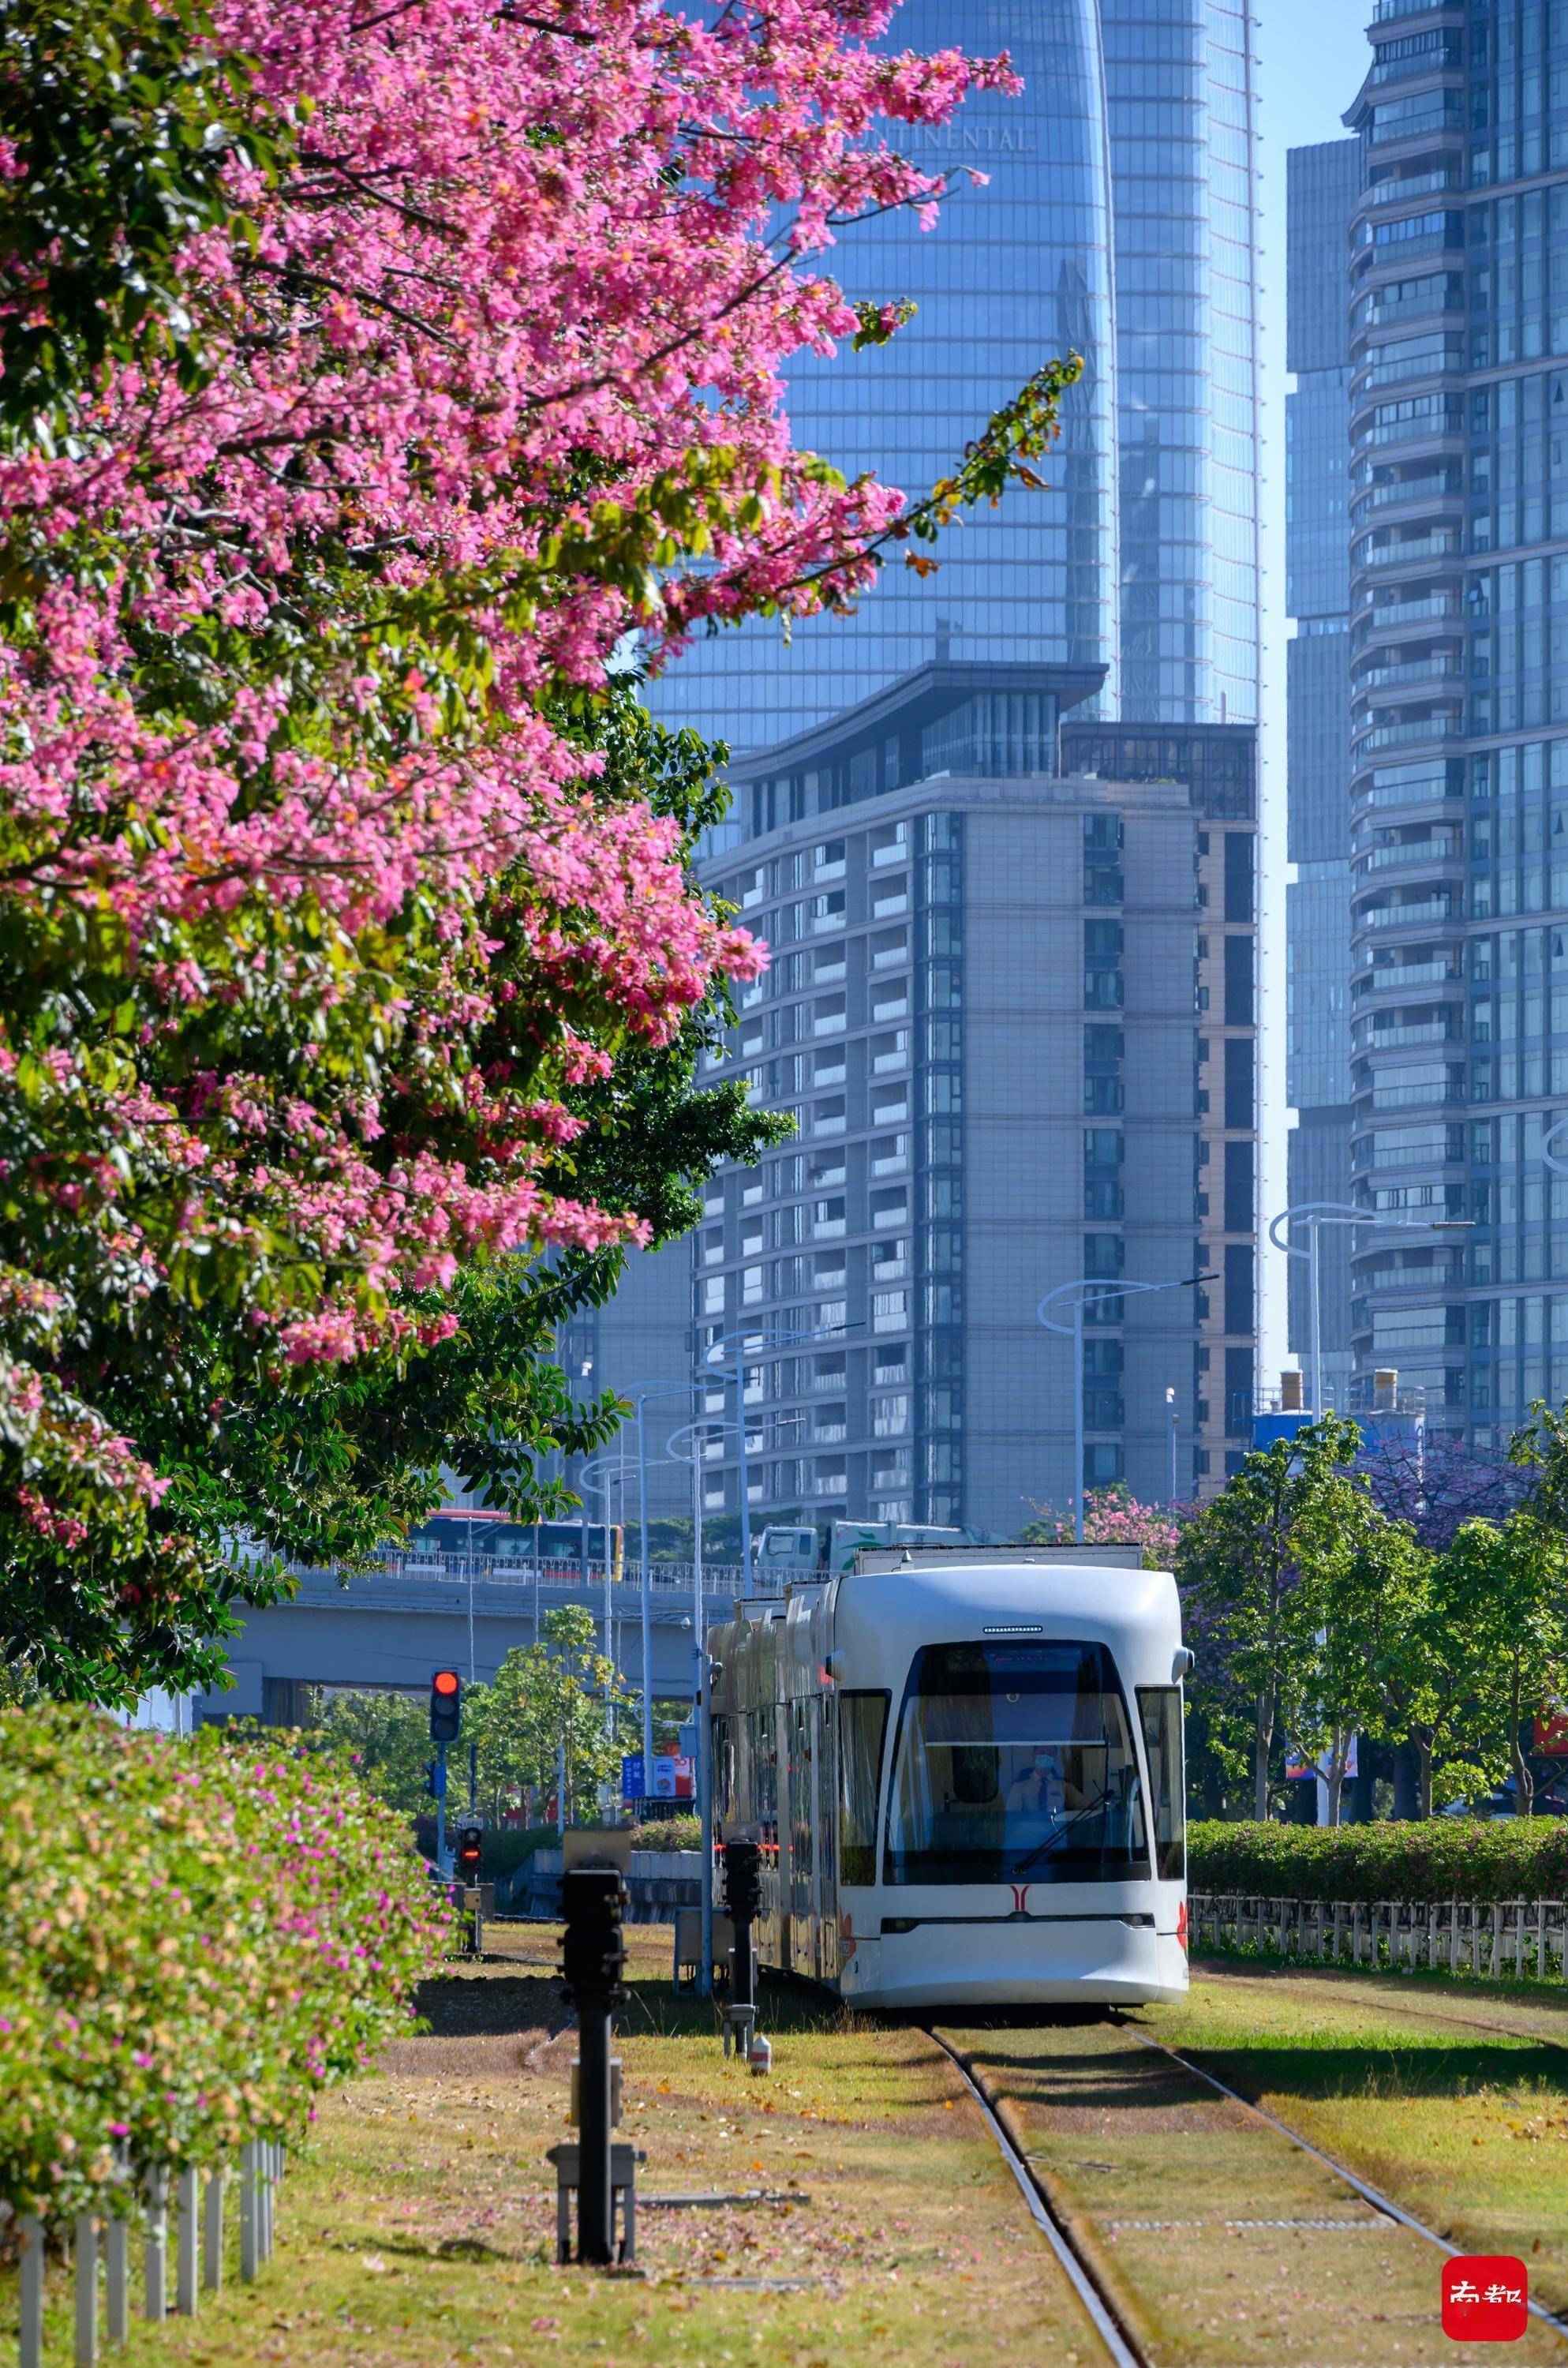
<point>417,1613</point>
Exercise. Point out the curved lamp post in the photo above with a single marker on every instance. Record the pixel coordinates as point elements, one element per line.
<point>1314,1215</point>
<point>639,1397</point>
<point>696,1435</point>
<point>1074,1296</point>
<point>716,1356</point>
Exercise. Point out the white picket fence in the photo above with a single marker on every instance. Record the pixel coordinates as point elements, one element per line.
<point>187,2205</point>
<point>1512,1935</point>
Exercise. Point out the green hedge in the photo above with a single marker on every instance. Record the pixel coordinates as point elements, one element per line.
<point>1440,1858</point>
<point>195,1938</point>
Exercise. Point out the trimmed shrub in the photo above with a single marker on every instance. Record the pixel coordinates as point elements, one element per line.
<point>1437,1858</point>
<point>195,1938</point>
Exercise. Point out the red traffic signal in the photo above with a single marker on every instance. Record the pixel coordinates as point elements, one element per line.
<point>446,1706</point>
<point>470,1849</point>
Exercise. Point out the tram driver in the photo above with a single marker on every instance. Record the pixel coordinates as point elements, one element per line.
<point>1037,1797</point>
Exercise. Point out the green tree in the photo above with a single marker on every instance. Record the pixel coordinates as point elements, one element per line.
<point>1368,1601</point>
<point>1503,1589</point>
<point>547,1709</point>
<point>1253,1562</point>
<point>387,1739</point>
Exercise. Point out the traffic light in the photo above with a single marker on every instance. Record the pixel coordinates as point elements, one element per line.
<point>446,1706</point>
<point>592,1947</point>
<point>470,1851</point>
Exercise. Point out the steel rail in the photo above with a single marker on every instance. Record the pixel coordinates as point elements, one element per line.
<point>1363,2188</point>
<point>1102,2311</point>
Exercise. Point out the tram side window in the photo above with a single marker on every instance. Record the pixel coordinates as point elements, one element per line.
<point>862,1725</point>
<point>1160,1708</point>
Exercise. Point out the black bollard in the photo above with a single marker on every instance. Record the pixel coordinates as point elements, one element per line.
<point>743,1898</point>
<point>595,1953</point>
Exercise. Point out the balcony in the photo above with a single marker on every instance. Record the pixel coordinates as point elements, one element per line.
<point>1414,554</point>
<point>1410,489</point>
<point>1395,614</point>
<point>1415,850</point>
<point>1388,1039</point>
<point>1390,1097</point>
<point>1435,668</point>
<point>1398,978</point>
<point>1415,734</point>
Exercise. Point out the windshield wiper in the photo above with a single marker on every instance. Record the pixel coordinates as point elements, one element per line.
<point>1065,1827</point>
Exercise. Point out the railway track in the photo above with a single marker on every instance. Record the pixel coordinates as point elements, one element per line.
<point>1212,2261</point>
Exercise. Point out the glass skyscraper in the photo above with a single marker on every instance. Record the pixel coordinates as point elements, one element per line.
<point>1118,223</point>
<point>1323,185</point>
<point>1458,303</point>
<point>1179,95</point>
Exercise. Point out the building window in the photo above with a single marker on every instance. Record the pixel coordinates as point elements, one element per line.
<point>889,1311</point>
<point>713,1295</point>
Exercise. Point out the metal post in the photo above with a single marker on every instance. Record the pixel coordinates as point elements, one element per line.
<point>1078,1421</point>
<point>212,2232</point>
<point>117,2280</point>
<point>156,2253</point>
<point>86,2290</point>
<point>594,1902</point>
<point>1171,1412</point>
<point>561,1786</point>
<point>441,1806</point>
<point>31,2329</point>
<point>703,1770</point>
<point>1315,1230</point>
<point>247,2211</point>
<point>742,1898</point>
<point>745,1476</point>
<point>647,1599</point>
<point>187,2260</point>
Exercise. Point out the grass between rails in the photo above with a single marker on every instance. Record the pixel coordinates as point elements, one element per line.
<point>417,2229</point>
<point>1453,2098</point>
<point>1228,2247</point>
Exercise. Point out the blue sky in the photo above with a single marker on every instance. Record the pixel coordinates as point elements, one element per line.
<point>1312,57</point>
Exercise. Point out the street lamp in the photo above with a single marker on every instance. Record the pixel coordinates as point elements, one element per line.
<point>1171,1418</point>
<point>1076,1295</point>
<point>751,1336</point>
<point>639,1396</point>
<point>696,1435</point>
<point>1314,1215</point>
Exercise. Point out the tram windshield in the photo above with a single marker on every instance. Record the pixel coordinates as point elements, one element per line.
<point>1016,1763</point>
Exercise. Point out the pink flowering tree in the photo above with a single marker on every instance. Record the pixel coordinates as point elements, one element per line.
<point>1114,1517</point>
<point>370,377</point>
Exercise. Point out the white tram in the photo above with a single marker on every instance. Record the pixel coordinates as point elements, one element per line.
<point>965,1768</point>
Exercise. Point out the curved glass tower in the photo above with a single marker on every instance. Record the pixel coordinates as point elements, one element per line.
<point>1118,222</point>
<point>1017,271</point>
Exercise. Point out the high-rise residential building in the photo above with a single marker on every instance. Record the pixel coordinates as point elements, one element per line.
<point>1004,1013</point>
<point>1119,221</point>
<point>1323,185</point>
<point>1458,327</point>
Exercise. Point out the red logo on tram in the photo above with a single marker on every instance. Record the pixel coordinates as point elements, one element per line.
<point>1020,1891</point>
<point>1181,1924</point>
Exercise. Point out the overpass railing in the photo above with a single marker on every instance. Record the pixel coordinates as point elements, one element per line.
<point>500,1570</point>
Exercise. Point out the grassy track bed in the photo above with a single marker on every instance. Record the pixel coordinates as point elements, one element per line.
<point>1454,2101</point>
<point>417,2229</point>
<point>1226,2246</point>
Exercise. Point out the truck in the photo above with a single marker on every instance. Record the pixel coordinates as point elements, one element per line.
<point>796,1549</point>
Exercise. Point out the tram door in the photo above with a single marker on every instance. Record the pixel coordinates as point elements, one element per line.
<point>827,1860</point>
<point>801,1953</point>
